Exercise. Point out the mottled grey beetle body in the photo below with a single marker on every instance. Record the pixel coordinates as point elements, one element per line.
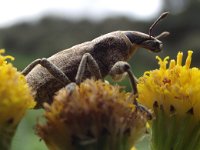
<point>106,50</point>
<point>104,55</point>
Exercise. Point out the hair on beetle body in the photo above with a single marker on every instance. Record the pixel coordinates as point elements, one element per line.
<point>105,55</point>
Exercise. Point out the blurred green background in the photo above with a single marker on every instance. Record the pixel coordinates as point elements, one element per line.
<point>27,41</point>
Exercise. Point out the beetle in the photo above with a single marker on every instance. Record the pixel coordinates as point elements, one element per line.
<point>104,55</point>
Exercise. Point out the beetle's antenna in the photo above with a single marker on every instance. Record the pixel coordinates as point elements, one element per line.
<point>162,35</point>
<point>162,16</point>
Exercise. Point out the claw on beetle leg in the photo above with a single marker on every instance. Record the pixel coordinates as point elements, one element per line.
<point>143,109</point>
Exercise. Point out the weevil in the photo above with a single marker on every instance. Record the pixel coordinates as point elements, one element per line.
<point>104,55</point>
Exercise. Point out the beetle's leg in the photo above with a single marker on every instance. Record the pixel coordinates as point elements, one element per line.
<point>30,66</point>
<point>53,69</point>
<point>122,67</point>
<point>70,87</point>
<point>87,61</point>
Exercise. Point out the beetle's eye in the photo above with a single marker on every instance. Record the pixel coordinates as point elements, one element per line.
<point>157,46</point>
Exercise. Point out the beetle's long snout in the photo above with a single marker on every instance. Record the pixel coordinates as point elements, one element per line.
<point>145,41</point>
<point>153,45</point>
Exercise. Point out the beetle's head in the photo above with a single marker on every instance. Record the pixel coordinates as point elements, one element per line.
<point>147,41</point>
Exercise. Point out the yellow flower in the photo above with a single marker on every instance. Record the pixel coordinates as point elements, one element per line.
<point>94,115</point>
<point>173,93</point>
<point>133,148</point>
<point>15,99</point>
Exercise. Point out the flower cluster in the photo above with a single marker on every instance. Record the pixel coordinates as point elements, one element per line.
<point>173,93</point>
<point>93,115</point>
<point>15,99</point>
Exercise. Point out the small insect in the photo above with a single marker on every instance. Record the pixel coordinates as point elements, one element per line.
<point>104,55</point>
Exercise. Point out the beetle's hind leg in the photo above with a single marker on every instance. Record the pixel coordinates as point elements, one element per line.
<point>88,61</point>
<point>122,67</point>
<point>53,70</point>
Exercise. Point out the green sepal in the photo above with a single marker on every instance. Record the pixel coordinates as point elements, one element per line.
<point>174,132</point>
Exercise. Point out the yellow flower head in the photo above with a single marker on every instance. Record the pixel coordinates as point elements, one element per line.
<point>173,93</point>
<point>94,115</point>
<point>174,87</point>
<point>15,97</point>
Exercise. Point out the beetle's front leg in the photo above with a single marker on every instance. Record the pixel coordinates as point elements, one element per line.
<point>88,61</point>
<point>122,68</point>
<point>118,69</point>
<point>53,70</point>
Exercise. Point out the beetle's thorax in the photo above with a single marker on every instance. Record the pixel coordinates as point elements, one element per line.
<point>112,47</point>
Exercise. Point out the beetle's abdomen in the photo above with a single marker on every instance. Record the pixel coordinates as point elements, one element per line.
<point>44,85</point>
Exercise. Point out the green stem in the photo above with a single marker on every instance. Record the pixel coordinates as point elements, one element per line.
<point>6,135</point>
<point>171,132</point>
<point>195,136</point>
<point>158,129</point>
<point>183,132</point>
